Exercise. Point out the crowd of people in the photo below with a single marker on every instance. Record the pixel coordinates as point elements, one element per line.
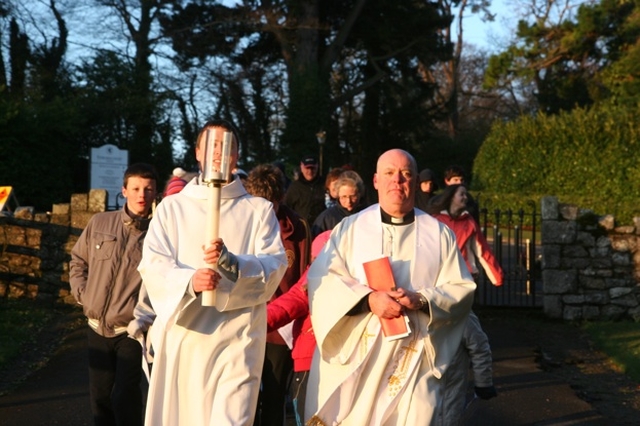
<point>294,324</point>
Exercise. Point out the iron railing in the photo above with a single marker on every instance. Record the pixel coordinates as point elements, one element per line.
<point>514,238</point>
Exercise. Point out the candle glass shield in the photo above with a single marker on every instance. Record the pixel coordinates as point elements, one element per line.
<point>216,171</point>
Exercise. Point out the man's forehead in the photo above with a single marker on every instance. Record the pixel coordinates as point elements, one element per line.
<point>395,159</point>
<point>394,165</point>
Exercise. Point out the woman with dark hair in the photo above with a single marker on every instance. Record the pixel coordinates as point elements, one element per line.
<point>450,208</point>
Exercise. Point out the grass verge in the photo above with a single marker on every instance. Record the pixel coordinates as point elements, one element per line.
<point>620,341</point>
<point>20,323</point>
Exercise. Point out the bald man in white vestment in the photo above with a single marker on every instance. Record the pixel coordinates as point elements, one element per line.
<point>358,377</point>
<point>208,360</point>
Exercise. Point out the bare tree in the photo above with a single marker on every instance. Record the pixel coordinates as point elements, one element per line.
<point>448,78</point>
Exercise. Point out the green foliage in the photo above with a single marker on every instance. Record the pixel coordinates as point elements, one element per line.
<point>52,113</point>
<point>589,58</point>
<point>507,204</point>
<point>37,145</point>
<point>622,78</point>
<point>586,157</point>
<point>309,97</point>
<point>621,341</point>
<point>623,210</point>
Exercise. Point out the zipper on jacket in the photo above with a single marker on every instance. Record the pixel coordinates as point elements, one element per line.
<point>105,309</point>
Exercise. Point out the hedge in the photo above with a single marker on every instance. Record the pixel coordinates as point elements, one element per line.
<point>590,158</point>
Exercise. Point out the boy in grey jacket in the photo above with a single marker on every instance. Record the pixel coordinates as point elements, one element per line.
<point>104,279</point>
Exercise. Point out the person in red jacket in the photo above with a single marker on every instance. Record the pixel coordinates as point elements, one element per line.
<point>294,306</point>
<point>450,208</point>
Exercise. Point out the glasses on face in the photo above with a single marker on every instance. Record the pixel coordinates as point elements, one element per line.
<point>353,198</point>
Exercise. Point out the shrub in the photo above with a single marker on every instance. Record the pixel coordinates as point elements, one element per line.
<point>585,157</point>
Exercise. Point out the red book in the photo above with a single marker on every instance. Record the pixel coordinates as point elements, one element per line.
<point>380,277</point>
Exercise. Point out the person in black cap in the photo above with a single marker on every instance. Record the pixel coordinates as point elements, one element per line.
<point>427,186</point>
<point>306,195</point>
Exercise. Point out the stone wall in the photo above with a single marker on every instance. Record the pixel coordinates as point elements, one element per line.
<point>590,267</point>
<point>36,248</point>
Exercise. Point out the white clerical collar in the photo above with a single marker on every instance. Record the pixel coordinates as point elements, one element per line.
<point>391,220</point>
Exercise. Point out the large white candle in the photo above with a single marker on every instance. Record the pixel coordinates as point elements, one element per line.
<point>214,176</point>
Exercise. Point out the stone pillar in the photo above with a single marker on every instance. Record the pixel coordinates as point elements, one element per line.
<point>590,267</point>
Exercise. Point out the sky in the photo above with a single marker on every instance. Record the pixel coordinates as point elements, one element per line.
<point>487,35</point>
<point>491,36</point>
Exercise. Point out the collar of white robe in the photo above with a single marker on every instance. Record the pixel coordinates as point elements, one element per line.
<point>391,220</point>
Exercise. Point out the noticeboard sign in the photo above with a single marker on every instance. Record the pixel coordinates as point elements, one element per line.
<point>108,164</point>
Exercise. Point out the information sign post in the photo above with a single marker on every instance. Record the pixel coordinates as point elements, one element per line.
<point>108,164</point>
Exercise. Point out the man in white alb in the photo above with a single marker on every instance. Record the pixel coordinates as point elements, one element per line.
<point>208,360</point>
<point>358,377</point>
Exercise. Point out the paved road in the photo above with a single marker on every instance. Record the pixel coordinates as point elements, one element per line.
<point>58,393</point>
<point>526,394</point>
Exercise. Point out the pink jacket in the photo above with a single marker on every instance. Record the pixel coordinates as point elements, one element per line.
<point>473,245</point>
<point>294,305</point>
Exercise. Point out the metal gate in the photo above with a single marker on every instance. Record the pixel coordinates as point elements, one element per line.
<point>515,240</point>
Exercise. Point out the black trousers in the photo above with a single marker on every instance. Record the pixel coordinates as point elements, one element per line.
<point>298,392</point>
<point>115,372</point>
<point>275,374</point>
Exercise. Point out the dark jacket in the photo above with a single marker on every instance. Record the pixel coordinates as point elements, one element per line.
<point>422,199</point>
<point>104,275</point>
<point>328,219</point>
<point>306,197</point>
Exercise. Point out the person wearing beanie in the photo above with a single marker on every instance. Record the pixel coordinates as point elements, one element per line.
<point>427,186</point>
<point>176,182</point>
